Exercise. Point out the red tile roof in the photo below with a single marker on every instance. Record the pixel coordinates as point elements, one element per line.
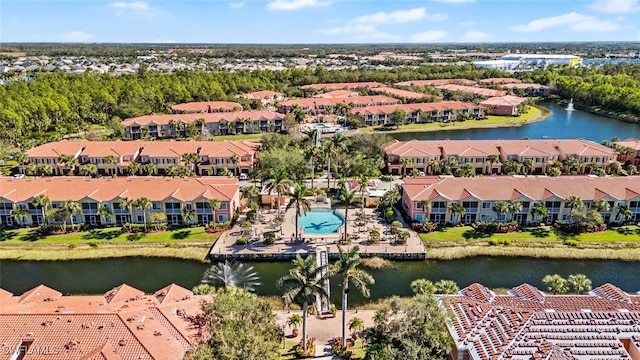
<point>356,100</point>
<point>493,81</point>
<point>401,94</point>
<point>206,106</point>
<point>39,293</point>
<point>123,293</point>
<point>436,82</point>
<point>172,293</point>
<point>165,119</point>
<point>631,143</point>
<point>108,189</point>
<point>507,100</point>
<point>337,94</point>
<point>471,90</point>
<point>260,95</point>
<point>411,108</point>
<point>341,86</point>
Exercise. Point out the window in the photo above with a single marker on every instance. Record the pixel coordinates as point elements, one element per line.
<point>223,206</point>
<point>486,205</point>
<point>157,206</point>
<point>525,204</point>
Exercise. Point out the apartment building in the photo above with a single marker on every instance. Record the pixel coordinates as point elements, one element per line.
<point>122,323</point>
<point>321,105</point>
<point>403,95</point>
<point>633,157</point>
<point>444,111</point>
<point>537,154</point>
<point>528,324</point>
<point>527,89</point>
<point>114,157</point>
<point>478,195</point>
<point>266,97</point>
<point>168,195</point>
<point>175,125</point>
<point>508,105</point>
<point>339,86</point>
<point>436,82</point>
<point>475,91</point>
<point>206,107</point>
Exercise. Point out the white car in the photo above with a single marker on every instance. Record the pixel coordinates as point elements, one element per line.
<point>243,176</point>
<point>18,176</point>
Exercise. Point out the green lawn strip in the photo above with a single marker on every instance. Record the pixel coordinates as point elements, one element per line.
<point>534,112</point>
<point>238,137</point>
<point>107,235</point>
<point>54,253</point>
<point>538,235</point>
<point>287,352</point>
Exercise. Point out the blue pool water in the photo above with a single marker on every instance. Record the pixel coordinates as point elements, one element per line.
<point>320,221</point>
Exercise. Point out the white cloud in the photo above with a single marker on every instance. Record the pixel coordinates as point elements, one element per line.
<point>398,17</point>
<point>574,21</point>
<point>236,5</point>
<point>138,9</point>
<point>287,5</point>
<point>474,36</point>
<point>362,32</point>
<point>429,36</point>
<point>455,1</point>
<point>467,23</point>
<point>77,36</point>
<point>615,6</point>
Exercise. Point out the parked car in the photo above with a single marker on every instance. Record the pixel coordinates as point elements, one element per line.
<point>243,176</point>
<point>18,176</point>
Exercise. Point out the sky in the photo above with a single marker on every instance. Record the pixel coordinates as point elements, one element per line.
<point>318,21</point>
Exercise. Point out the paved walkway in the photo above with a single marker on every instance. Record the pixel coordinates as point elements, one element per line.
<point>357,230</point>
<point>324,329</point>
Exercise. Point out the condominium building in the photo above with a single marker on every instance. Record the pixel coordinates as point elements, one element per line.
<point>537,154</point>
<point>340,86</point>
<point>528,324</point>
<point>444,111</point>
<point>404,95</point>
<point>436,82</point>
<point>224,123</point>
<point>168,195</point>
<point>266,97</point>
<point>633,156</point>
<point>321,105</point>
<point>114,157</point>
<point>478,195</point>
<point>123,323</point>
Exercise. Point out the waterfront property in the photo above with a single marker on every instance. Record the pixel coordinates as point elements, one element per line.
<point>504,105</point>
<point>123,323</point>
<point>490,156</point>
<point>476,92</point>
<point>116,157</point>
<point>527,89</point>
<point>404,95</point>
<point>206,107</point>
<point>419,113</point>
<point>167,195</point>
<point>321,105</point>
<point>177,125</point>
<point>529,324</point>
<point>632,157</point>
<point>478,196</point>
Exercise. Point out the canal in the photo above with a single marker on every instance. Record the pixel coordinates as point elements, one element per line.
<point>150,274</point>
<point>561,124</point>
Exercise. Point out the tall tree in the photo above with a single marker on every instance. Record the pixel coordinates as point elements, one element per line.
<point>20,214</point>
<point>457,211</point>
<point>69,208</point>
<point>540,212</point>
<point>573,203</point>
<point>188,215</point>
<point>111,161</point>
<point>298,201</point>
<point>232,274</point>
<point>104,213</point>
<point>43,202</point>
<point>191,160</point>
<point>143,204</point>
<point>302,285</point>
<point>347,199</point>
<point>500,207</point>
<point>424,205</point>
<point>347,267</point>
<point>405,162</point>
<point>280,184</point>
<point>214,204</point>
<point>88,170</point>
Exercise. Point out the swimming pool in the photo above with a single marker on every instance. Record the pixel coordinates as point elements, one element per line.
<point>321,221</point>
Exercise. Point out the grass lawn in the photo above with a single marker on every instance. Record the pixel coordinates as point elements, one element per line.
<point>25,244</point>
<point>534,113</point>
<point>238,137</point>
<point>287,352</point>
<point>545,234</point>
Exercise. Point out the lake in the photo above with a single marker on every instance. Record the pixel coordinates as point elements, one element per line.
<point>151,274</point>
<point>561,124</point>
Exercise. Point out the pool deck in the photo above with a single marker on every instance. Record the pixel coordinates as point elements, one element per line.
<point>285,249</point>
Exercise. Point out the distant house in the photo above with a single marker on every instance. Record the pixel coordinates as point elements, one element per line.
<point>436,82</point>
<point>320,105</point>
<point>337,94</point>
<point>419,112</point>
<point>504,105</point>
<point>206,107</point>
<point>404,95</point>
<point>266,97</point>
<point>527,89</point>
<point>339,86</point>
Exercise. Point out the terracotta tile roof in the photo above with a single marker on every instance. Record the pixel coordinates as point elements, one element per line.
<point>165,119</point>
<point>55,149</point>
<point>172,293</point>
<point>471,90</point>
<point>105,352</point>
<point>5,294</point>
<point>341,86</point>
<point>108,189</point>
<point>611,292</point>
<point>525,86</point>
<point>356,100</point>
<point>507,100</point>
<point>337,94</point>
<point>630,142</point>
<point>437,82</point>
<point>493,81</point>
<point>527,292</point>
<point>123,293</point>
<point>38,294</point>
<point>478,292</point>
<point>535,187</point>
<point>412,108</point>
<point>401,94</point>
<point>206,106</point>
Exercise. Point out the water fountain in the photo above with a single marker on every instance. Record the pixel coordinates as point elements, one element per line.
<point>570,105</point>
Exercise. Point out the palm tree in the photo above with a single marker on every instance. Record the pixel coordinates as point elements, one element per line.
<point>104,213</point>
<point>328,150</point>
<point>515,207</point>
<point>302,286</point>
<point>297,200</point>
<point>127,204</point>
<point>250,192</point>
<point>571,163</point>
<point>556,284</point>
<point>143,204</point>
<point>20,214</point>
<point>88,170</point>
<point>214,204</point>
<point>448,287</point>
<point>500,207</point>
<point>347,267</point>
<point>68,161</point>
<point>69,209</point>
<point>356,325</point>
<point>363,179</point>
<point>492,159</point>
<point>232,274</point>
<point>539,211</point>
<point>528,165</point>
<point>149,168</point>
<point>111,160</point>
<point>601,205</point>
<point>191,160</point>
<point>347,199</point>
<point>280,184</point>
<point>457,211</point>
<point>294,321</point>
<point>573,203</point>
<point>424,205</point>
<point>43,202</point>
<point>404,162</point>
<point>132,169</point>
<point>44,170</point>
<point>579,284</point>
<point>311,153</point>
<point>338,144</point>
<point>188,215</point>
<point>235,159</point>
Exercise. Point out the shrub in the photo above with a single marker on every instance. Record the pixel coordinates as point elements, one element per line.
<point>73,245</point>
<point>242,241</point>
<point>493,242</point>
<point>425,227</point>
<point>571,242</point>
<point>133,228</point>
<point>57,229</point>
<point>579,228</point>
<point>93,243</point>
<point>337,349</point>
<point>396,226</point>
<point>492,227</point>
<point>386,178</point>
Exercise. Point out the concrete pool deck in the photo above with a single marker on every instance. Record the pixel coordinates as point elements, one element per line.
<point>284,248</point>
